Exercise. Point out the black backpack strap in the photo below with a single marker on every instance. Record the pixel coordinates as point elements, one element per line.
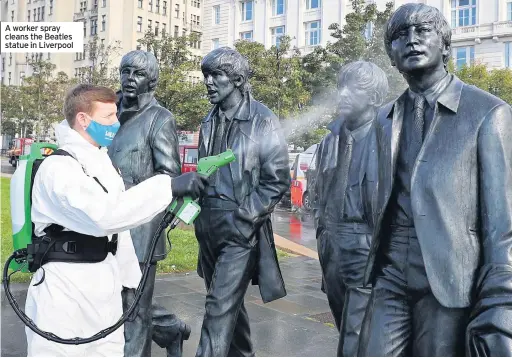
<point>55,228</point>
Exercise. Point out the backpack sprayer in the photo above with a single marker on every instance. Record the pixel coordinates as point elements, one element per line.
<point>181,209</point>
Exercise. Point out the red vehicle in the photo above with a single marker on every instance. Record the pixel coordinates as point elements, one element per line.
<point>19,146</point>
<point>188,158</point>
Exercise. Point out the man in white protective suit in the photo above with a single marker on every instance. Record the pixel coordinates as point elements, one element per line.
<point>85,194</point>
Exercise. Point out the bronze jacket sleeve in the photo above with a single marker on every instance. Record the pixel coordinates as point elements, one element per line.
<point>274,179</point>
<point>490,330</point>
<point>165,146</point>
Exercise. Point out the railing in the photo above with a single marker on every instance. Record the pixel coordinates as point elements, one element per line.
<point>489,30</point>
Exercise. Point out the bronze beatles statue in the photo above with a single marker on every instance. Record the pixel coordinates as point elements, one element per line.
<point>441,252</point>
<point>343,206</point>
<point>234,229</point>
<point>145,145</point>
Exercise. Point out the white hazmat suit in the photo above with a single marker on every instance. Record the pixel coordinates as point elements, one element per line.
<point>80,299</point>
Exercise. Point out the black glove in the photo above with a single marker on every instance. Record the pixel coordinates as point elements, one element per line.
<point>188,184</point>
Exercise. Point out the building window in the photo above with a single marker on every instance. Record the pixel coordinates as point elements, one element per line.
<point>216,15</point>
<point>157,25</point>
<point>140,4</point>
<point>215,44</point>
<point>197,43</point>
<point>463,12</point>
<point>165,8</point>
<point>94,27</point>
<point>277,33</point>
<point>157,6</point>
<point>28,20</point>
<point>138,47</point>
<point>12,15</point>
<point>177,10</point>
<point>38,14</point>
<point>10,59</point>
<point>246,36</point>
<point>313,30</point>
<point>464,56</point>
<point>508,54</point>
<point>247,7</point>
<point>9,78</point>
<point>85,29</point>
<point>42,13</point>
<point>51,7</point>
<point>95,5</point>
<point>313,4</point>
<point>34,15</point>
<point>151,5</point>
<point>164,29</point>
<point>509,11</point>
<point>195,19</point>
<point>196,3</point>
<point>150,24</point>
<point>103,22</point>
<point>176,31</point>
<point>139,24</point>
<point>277,7</point>
<point>104,3</point>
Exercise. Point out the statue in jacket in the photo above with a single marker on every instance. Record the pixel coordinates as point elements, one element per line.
<point>440,262</point>
<point>234,229</point>
<point>346,163</point>
<point>145,145</point>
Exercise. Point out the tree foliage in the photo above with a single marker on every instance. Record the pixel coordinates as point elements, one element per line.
<point>37,103</point>
<point>497,81</point>
<point>101,71</point>
<point>277,76</point>
<point>362,38</point>
<point>185,99</point>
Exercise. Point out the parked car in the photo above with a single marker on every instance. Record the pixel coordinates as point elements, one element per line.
<point>299,179</point>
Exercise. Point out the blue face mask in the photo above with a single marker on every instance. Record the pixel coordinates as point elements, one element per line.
<point>102,134</point>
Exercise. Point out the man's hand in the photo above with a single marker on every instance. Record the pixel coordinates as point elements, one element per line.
<point>188,184</point>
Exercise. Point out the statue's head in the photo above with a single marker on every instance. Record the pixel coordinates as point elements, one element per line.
<point>361,85</point>
<point>418,38</point>
<point>139,73</point>
<point>225,70</point>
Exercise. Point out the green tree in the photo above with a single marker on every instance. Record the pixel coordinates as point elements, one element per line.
<point>361,38</point>
<point>185,99</point>
<point>277,76</point>
<point>476,75</point>
<point>101,71</point>
<point>35,104</point>
<point>500,84</point>
<point>497,81</point>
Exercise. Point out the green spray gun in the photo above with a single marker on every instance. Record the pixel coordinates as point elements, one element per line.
<point>185,209</point>
<point>181,209</point>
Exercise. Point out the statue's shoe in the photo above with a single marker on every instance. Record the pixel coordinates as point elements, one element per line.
<point>176,347</point>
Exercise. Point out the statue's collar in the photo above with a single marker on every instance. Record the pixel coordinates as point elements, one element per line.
<point>142,100</point>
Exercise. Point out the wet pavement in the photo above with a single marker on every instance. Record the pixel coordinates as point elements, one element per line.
<point>299,324</point>
<point>297,227</point>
